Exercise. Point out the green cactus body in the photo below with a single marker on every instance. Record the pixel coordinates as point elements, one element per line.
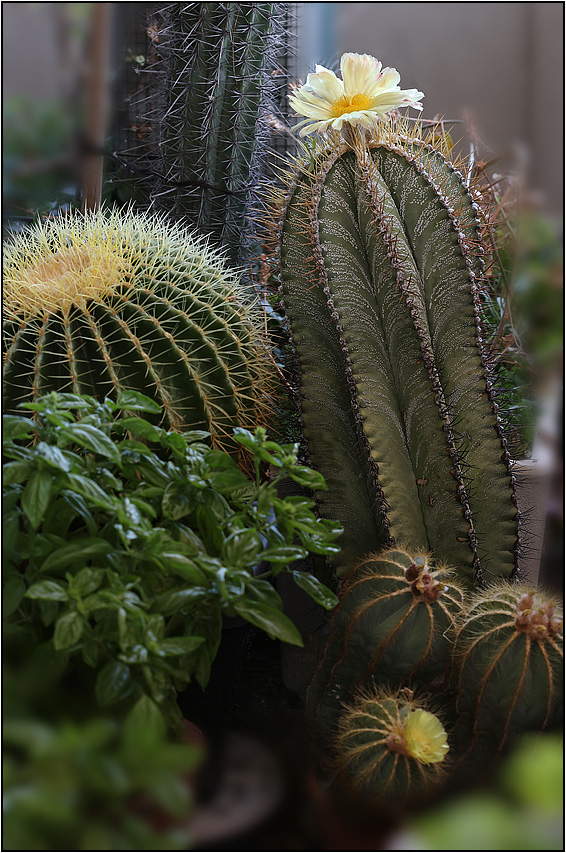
<point>389,748</point>
<point>508,664</point>
<point>211,87</point>
<point>393,624</point>
<point>381,258</point>
<point>110,302</point>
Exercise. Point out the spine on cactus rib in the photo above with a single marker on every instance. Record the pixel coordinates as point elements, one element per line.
<point>381,257</point>
<point>111,302</point>
<point>214,84</point>
<point>508,667</point>
<point>389,749</point>
<point>394,625</point>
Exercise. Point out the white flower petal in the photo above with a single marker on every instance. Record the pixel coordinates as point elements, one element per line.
<point>311,106</point>
<point>393,99</point>
<point>317,125</point>
<point>326,84</point>
<point>359,71</point>
<point>388,79</point>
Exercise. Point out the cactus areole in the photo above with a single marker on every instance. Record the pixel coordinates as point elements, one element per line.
<point>108,302</point>
<point>381,266</point>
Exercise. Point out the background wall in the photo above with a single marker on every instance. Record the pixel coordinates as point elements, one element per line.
<point>501,61</point>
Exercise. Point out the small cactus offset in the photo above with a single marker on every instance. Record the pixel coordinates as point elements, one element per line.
<point>382,274</point>
<point>508,667</point>
<point>214,83</point>
<point>390,748</point>
<point>108,302</point>
<point>393,626</point>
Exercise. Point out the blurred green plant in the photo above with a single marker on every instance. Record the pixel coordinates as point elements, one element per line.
<point>520,810</point>
<point>96,785</point>
<point>524,308</point>
<point>39,174</point>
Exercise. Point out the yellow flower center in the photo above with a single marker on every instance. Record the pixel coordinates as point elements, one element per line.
<point>71,276</point>
<point>350,104</point>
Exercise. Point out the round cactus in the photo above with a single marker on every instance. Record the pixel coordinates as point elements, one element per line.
<point>110,301</point>
<point>508,660</point>
<point>390,748</point>
<point>394,624</point>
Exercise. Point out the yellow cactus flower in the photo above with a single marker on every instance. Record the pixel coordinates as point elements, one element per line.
<point>364,96</point>
<point>425,738</point>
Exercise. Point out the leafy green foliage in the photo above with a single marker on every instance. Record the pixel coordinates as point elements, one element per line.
<point>126,557</point>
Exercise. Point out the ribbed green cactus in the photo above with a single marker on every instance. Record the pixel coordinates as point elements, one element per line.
<point>214,82</point>
<point>390,748</point>
<point>107,302</point>
<point>508,667</point>
<point>381,264</point>
<point>393,626</point>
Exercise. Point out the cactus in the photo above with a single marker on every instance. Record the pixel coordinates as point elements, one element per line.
<point>381,262</point>
<point>108,302</point>
<point>215,81</point>
<point>389,748</point>
<point>508,664</point>
<point>394,624</point>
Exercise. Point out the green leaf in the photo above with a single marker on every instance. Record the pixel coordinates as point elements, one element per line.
<point>68,630</point>
<point>87,581</point>
<point>262,590</point>
<point>283,554</point>
<point>209,528</point>
<point>218,460</point>
<point>175,441</point>
<point>35,498</point>
<point>195,435</point>
<point>90,651</point>
<point>91,491</point>
<point>93,439</point>
<point>159,683</point>
<point>182,566</point>
<point>225,482</point>
<point>78,504</point>
<point>14,426</point>
<point>10,531</point>
<point>114,683</point>
<point>48,611</point>
<point>177,501</point>
<point>13,592</point>
<point>141,428</point>
<point>53,456</point>
<point>307,477</point>
<point>47,591</point>
<point>73,401</point>
<point>241,548</point>
<point>317,590</point>
<point>135,402</point>
<point>144,726</point>
<point>174,602</point>
<point>77,552</point>
<point>275,624</point>
<point>180,645</point>
<point>16,472</point>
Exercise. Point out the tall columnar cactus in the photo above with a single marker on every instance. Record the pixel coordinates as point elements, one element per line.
<point>213,85</point>
<point>394,625</point>
<point>390,748</point>
<point>107,302</point>
<point>508,667</point>
<point>381,262</point>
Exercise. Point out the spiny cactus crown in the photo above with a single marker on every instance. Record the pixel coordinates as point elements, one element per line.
<point>111,301</point>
